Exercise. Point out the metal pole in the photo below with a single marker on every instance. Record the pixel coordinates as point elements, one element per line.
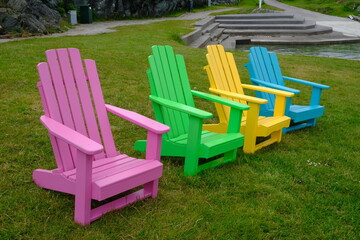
<point>209,3</point>
<point>260,1</point>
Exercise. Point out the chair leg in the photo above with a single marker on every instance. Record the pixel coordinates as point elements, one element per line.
<point>82,209</point>
<point>193,146</point>
<point>83,189</point>
<point>230,156</point>
<point>191,165</point>
<point>277,135</point>
<point>311,122</point>
<point>152,187</point>
<point>249,143</point>
<point>251,127</point>
<point>308,123</point>
<point>285,130</point>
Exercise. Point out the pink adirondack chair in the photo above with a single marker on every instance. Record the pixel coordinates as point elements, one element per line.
<point>88,164</point>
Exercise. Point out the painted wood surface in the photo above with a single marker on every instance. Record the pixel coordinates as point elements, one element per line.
<point>174,106</point>
<point>89,166</point>
<point>225,81</point>
<point>264,70</point>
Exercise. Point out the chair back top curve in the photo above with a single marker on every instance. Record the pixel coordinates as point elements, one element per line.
<point>169,80</point>
<point>72,96</point>
<point>265,66</point>
<point>223,74</point>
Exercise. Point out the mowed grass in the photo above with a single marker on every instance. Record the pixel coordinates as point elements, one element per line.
<point>306,187</point>
<point>341,8</point>
<point>247,6</point>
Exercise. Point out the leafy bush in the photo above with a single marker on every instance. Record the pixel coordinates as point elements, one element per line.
<point>3,5</point>
<point>351,6</point>
<point>70,6</point>
<point>61,11</point>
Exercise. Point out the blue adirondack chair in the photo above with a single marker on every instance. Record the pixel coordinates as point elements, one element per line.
<point>264,70</point>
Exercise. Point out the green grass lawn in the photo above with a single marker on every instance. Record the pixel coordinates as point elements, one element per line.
<point>247,6</point>
<point>306,187</point>
<point>341,8</point>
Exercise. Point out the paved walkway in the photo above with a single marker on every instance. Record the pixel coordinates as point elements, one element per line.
<point>339,24</point>
<point>106,27</point>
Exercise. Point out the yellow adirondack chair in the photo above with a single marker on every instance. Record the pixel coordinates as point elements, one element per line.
<point>225,81</point>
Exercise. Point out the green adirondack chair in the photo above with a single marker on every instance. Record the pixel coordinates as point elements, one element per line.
<point>174,106</point>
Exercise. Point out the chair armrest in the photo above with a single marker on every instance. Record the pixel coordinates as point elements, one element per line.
<point>268,90</point>
<point>70,136</point>
<point>140,120</point>
<point>181,107</point>
<point>239,96</point>
<point>317,85</point>
<point>275,86</point>
<point>220,100</point>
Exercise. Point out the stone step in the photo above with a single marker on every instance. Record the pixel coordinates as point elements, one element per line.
<point>209,29</point>
<point>201,41</point>
<point>199,30</point>
<point>191,37</point>
<point>264,32</point>
<point>262,21</point>
<point>205,22</point>
<point>217,33</point>
<point>267,26</point>
<point>222,38</point>
<point>254,16</point>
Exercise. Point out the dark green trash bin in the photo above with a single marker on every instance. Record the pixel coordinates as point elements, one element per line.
<point>85,13</point>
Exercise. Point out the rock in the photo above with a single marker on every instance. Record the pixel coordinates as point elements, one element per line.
<point>143,8</point>
<point>11,24</point>
<point>17,5</point>
<point>355,18</point>
<point>9,20</point>
<point>33,25</point>
<point>34,16</point>
<point>51,3</point>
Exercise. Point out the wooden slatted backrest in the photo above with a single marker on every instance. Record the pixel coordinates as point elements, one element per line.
<point>223,74</point>
<point>168,79</point>
<point>265,67</point>
<point>74,98</point>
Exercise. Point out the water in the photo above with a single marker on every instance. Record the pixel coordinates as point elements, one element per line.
<point>345,51</point>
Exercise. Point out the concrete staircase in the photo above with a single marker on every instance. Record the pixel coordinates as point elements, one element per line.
<point>206,31</point>
<point>261,28</point>
<point>268,24</point>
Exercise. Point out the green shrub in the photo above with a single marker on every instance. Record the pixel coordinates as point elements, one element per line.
<point>351,6</point>
<point>61,11</point>
<point>3,5</point>
<point>70,6</point>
